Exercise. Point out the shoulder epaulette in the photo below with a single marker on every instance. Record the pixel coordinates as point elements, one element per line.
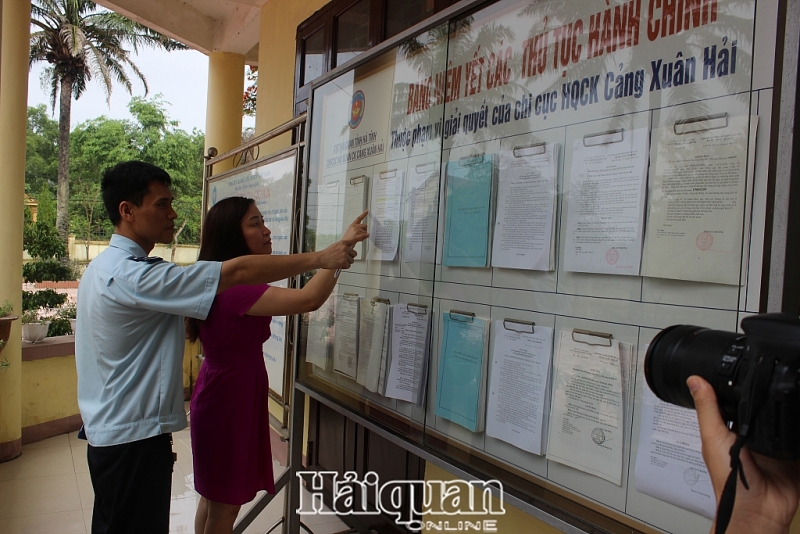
<point>147,259</point>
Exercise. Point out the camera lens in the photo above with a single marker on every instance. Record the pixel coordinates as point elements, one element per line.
<point>681,351</point>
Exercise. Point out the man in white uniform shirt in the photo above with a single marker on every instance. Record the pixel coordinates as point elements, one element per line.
<point>130,340</point>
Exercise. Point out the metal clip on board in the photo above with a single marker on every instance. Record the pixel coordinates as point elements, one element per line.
<point>602,339</point>
<point>422,308</point>
<point>425,167</point>
<point>471,160</point>
<point>604,138</point>
<point>467,317</point>
<point>515,325</point>
<point>702,123</point>
<point>530,150</point>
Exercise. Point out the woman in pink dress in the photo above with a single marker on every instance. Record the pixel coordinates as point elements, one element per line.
<point>229,413</point>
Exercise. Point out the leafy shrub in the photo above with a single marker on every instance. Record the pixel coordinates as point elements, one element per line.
<point>70,311</point>
<point>6,309</point>
<point>31,316</point>
<point>59,326</point>
<point>42,241</point>
<point>46,270</point>
<point>47,298</point>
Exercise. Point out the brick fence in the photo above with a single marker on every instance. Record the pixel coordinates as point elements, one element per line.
<point>72,284</point>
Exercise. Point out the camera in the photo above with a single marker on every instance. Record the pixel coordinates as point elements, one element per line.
<point>755,376</point>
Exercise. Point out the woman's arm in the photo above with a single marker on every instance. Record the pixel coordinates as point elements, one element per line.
<point>283,301</point>
<point>263,269</point>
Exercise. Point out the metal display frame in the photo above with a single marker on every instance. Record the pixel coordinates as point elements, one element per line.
<point>782,223</point>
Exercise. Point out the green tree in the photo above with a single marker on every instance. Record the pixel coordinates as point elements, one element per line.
<point>82,42</point>
<point>153,137</point>
<point>41,151</point>
<point>46,210</point>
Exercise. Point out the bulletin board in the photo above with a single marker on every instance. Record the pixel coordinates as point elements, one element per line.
<point>585,174</point>
<point>271,183</point>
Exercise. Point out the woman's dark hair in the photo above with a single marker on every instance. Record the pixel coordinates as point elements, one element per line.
<point>221,240</point>
<point>129,182</point>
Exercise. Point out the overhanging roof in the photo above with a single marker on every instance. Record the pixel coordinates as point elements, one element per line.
<point>204,25</point>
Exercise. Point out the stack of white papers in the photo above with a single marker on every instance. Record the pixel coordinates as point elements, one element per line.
<point>526,209</point>
<point>355,202</point>
<point>461,388</point>
<point>320,335</point>
<point>422,203</point>
<point>408,361</point>
<point>605,203</point>
<point>519,385</point>
<point>384,215</point>
<point>371,342</point>
<point>588,416</point>
<point>345,345</point>
<point>669,463</point>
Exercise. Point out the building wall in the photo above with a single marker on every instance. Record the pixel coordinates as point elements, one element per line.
<point>49,390</point>
<point>276,62</point>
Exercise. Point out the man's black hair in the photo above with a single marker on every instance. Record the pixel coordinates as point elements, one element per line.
<point>129,182</point>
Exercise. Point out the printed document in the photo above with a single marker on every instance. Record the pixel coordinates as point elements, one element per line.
<point>518,385</point>
<point>387,341</point>
<point>526,202</point>
<point>408,362</point>
<point>697,200</point>
<point>669,463</point>
<point>320,335</point>
<point>372,323</point>
<point>384,215</point>
<point>460,390</point>
<point>345,345</point>
<point>423,208</point>
<point>586,422</point>
<point>355,202</point>
<point>605,203</point>
<point>468,211</point>
<point>329,214</point>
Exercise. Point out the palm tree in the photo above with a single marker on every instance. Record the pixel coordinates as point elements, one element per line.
<point>81,41</point>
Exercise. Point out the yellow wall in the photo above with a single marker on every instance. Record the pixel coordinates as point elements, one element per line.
<point>14,50</point>
<point>191,363</point>
<point>49,390</point>
<point>224,104</point>
<point>514,520</point>
<point>276,61</point>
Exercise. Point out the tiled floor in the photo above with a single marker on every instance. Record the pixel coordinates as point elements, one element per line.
<point>48,490</point>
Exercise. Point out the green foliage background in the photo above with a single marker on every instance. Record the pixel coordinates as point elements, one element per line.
<point>98,144</point>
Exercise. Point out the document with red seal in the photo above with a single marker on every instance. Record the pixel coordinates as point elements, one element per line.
<point>697,196</point>
<point>605,202</point>
<point>587,417</point>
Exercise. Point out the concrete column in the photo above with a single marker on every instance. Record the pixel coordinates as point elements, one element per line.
<point>224,105</point>
<point>13,116</point>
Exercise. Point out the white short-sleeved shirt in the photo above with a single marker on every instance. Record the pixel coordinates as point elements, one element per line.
<point>130,340</point>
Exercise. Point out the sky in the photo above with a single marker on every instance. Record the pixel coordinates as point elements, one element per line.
<point>180,76</point>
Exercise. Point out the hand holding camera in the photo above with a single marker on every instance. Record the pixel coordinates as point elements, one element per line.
<point>771,502</point>
<point>749,384</point>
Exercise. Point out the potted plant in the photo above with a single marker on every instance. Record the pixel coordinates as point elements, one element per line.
<point>6,318</point>
<point>69,312</point>
<point>34,328</point>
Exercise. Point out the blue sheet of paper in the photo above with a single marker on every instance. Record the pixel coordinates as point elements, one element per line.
<point>461,371</point>
<point>468,211</point>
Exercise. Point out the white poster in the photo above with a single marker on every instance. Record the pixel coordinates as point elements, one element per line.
<point>605,202</point>
<point>587,417</point>
<point>272,187</point>
<point>697,199</point>
<point>669,462</point>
